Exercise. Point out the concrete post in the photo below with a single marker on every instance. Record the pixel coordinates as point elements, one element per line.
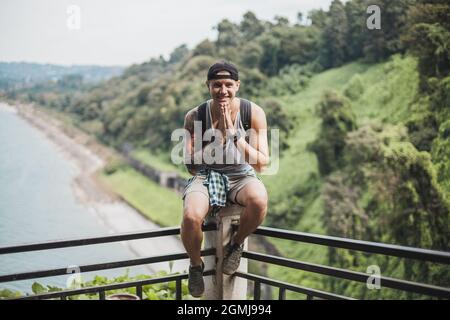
<point>222,286</point>
<point>166,179</point>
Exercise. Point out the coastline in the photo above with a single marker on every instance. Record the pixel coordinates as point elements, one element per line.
<point>87,157</point>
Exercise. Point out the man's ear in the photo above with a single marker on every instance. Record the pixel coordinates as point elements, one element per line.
<point>238,84</point>
<point>207,83</point>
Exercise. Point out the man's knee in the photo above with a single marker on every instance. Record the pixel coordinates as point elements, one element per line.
<point>258,201</point>
<point>192,217</point>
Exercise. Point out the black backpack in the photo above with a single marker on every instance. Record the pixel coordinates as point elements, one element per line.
<point>245,111</point>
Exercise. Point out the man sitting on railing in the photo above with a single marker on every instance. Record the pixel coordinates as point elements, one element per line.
<point>223,167</point>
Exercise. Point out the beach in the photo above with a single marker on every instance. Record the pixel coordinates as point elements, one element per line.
<point>86,156</point>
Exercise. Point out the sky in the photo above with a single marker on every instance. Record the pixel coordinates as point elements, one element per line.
<point>121,32</point>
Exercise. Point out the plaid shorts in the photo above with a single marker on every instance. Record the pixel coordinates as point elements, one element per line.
<point>236,183</point>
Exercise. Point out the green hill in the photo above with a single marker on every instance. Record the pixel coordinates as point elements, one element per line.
<point>388,92</point>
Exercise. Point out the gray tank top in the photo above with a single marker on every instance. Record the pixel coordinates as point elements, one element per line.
<point>238,166</point>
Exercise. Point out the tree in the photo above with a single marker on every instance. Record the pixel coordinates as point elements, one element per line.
<point>337,120</point>
<point>333,51</point>
<point>281,21</point>
<point>228,34</point>
<point>179,54</point>
<point>251,55</point>
<point>269,58</point>
<point>299,18</point>
<point>298,45</point>
<point>142,96</point>
<point>250,26</point>
<point>252,82</point>
<point>357,29</point>
<point>386,190</point>
<point>204,48</point>
<point>71,81</point>
<point>428,37</point>
<point>381,43</point>
<point>277,118</point>
<point>318,18</point>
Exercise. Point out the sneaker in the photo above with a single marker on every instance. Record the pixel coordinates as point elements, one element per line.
<point>232,259</point>
<point>195,283</point>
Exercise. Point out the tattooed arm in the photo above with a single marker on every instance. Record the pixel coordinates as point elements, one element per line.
<point>189,119</point>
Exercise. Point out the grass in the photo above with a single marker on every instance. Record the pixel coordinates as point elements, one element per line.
<point>161,205</point>
<point>390,90</point>
<point>160,162</point>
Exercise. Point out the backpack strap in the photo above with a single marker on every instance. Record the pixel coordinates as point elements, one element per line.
<point>201,116</point>
<point>246,113</point>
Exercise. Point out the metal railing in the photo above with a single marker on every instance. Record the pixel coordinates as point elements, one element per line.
<point>104,266</point>
<point>357,245</point>
<point>364,246</point>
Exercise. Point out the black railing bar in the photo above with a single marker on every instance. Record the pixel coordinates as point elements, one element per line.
<point>66,243</point>
<point>359,245</point>
<point>257,290</point>
<point>115,286</point>
<point>178,290</point>
<point>291,287</point>
<point>281,293</point>
<point>101,266</point>
<point>351,275</point>
<point>139,291</point>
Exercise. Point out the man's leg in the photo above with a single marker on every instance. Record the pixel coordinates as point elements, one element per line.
<point>253,196</point>
<point>196,206</point>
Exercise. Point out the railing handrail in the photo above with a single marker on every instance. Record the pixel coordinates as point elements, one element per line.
<point>292,287</point>
<point>114,286</point>
<point>345,243</point>
<point>358,245</point>
<point>349,274</point>
<point>66,243</point>
<point>100,266</point>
